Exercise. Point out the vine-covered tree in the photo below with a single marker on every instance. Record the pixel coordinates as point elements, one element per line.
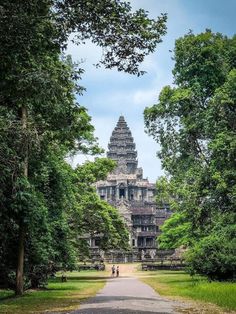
<point>195,124</point>
<point>40,121</point>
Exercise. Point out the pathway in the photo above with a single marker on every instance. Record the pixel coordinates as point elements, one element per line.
<point>128,295</point>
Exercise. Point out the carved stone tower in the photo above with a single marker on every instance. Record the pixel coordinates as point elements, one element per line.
<point>122,148</point>
<point>133,196</point>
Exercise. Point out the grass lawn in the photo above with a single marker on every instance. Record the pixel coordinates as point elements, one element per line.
<point>176,283</point>
<point>58,296</point>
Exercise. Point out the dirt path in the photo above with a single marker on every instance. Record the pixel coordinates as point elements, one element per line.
<point>127,295</point>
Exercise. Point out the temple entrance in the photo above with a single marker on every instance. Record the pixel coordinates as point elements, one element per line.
<point>122,192</point>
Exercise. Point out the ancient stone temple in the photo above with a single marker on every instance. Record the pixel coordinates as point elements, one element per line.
<point>134,197</point>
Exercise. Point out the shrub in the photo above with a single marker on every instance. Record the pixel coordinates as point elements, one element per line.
<point>213,256</point>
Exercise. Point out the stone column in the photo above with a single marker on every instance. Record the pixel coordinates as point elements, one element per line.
<point>117,192</point>
<point>144,242</point>
<point>126,193</point>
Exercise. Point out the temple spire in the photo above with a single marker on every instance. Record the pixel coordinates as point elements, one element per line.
<point>122,147</point>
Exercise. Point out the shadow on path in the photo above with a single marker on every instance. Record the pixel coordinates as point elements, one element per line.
<point>111,298</point>
<point>107,310</point>
<point>127,295</point>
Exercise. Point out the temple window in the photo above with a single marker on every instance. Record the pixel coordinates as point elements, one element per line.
<point>149,242</point>
<point>97,242</point>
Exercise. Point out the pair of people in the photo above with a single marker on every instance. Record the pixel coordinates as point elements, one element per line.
<point>115,270</point>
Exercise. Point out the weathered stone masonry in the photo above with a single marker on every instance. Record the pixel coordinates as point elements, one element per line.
<point>134,197</point>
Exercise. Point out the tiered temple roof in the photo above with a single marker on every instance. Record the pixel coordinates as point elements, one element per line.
<point>127,190</point>
<point>122,148</point>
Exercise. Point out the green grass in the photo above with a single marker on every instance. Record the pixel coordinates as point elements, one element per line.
<point>58,296</point>
<point>176,283</point>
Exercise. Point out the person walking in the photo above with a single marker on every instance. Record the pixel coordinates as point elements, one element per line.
<point>113,270</point>
<point>117,271</point>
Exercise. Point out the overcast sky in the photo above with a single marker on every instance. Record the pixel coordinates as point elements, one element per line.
<point>110,93</point>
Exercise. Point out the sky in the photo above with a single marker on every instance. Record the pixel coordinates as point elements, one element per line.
<point>110,93</point>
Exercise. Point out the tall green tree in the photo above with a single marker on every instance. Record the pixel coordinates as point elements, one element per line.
<point>193,122</point>
<point>98,217</point>
<point>40,118</point>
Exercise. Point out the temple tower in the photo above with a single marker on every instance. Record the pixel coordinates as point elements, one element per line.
<point>133,196</point>
<point>122,148</point>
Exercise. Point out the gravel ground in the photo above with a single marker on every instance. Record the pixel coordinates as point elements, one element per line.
<point>128,295</point>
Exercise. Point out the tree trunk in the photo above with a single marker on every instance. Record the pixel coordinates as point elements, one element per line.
<point>20,260</point>
<point>21,240</point>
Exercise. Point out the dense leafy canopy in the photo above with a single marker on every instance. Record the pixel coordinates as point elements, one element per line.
<point>44,204</point>
<point>195,124</point>
<point>125,36</point>
<point>97,217</point>
<point>175,232</point>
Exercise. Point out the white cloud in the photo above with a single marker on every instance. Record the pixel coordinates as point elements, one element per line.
<point>144,96</point>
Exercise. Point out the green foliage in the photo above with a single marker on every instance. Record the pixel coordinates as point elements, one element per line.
<point>96,216</point>
<point>163,194</point>
<point>175,232</point>
<point>195,124</point>
<point>59,296</point>
<point>181,284</point>
<point>215,255</point>
<point>41,197</point>
<point>125,36</point>
<point>91,172</point>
